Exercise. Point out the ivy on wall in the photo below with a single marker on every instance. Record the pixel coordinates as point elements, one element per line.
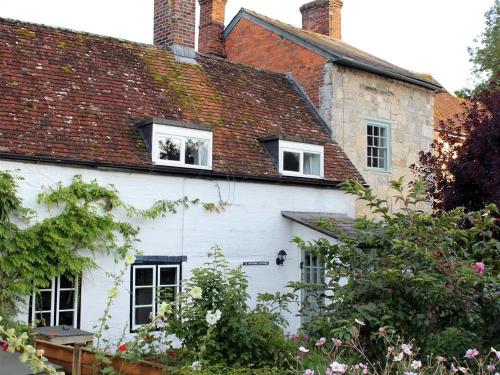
<point>82,217</point>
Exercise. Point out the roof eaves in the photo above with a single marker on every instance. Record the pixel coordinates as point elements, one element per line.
<point>384,72</point>
<point>334,58</point>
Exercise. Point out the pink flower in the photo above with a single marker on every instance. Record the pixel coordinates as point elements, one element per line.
<point>5,346</point>
<point>321,342</point>
<point>363,367</point>
<point>305,337</point>
<point>479,267</point>
<point>491,368</point>
<point>407,348</point>
<point>309,372</point>
<point>338,368</point>
<point>293,337</point>
<point>336,342</point>
<point>453,368</point>
<point>471,353</point>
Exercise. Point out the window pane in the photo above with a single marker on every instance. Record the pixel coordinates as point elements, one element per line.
<point>312,164</point>
<point>142,315</point>
<point>196,152</point>
<point>67,282</point>
<point>167,294</point>
<point>168,276</point>
<point>66,300</point>
<point>291,161</point>
<point>43,301</point>
<point>370,130</point>
<point>143,276</point>
<point>66,318</point>
<point>42,320</point>
<point>144,296</point>
<point>170,149</point>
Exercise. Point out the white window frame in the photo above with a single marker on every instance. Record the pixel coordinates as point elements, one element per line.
<point>156,285</point>
<point>387,126</point>
<point>183,134</point>
<point>55,302</point>
<point>318,272</point>
<point>301,148</point>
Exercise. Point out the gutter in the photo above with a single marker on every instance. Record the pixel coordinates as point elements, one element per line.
<point>171,171</point>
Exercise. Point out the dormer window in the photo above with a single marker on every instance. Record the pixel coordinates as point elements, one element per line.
<point>181,146</point>
<point>301,159</point>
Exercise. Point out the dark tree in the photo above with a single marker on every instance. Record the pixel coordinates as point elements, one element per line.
<point>463,167</point>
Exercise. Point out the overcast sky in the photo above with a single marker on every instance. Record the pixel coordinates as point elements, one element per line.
<point>429,36</point>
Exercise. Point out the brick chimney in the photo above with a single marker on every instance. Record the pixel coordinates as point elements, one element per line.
<point>323,16</point>
<point>174,24</point>
<point>212,13</point>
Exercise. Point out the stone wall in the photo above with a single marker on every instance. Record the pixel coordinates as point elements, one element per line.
<point>349,96</point>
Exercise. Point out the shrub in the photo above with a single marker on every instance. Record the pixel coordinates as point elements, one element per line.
<point>236,336</point>
<point>418,273</point>
<point>451,342</point>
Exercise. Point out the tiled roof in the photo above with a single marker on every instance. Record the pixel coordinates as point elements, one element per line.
<point>75,96</point>
<point>448,107</point>
<point>337,50</point>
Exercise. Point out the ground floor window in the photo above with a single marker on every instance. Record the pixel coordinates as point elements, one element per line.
<point>313,273</point>
<point>151,285</point>
<point>57,304</point>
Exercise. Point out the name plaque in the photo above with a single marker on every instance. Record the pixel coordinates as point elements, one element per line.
<point>256,263</point>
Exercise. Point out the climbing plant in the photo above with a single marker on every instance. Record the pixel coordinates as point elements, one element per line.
<point>82,221</point>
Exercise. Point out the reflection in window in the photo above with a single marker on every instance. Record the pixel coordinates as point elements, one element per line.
<point>170,149</point>
<point>196,152</point>
<point>291,161</point>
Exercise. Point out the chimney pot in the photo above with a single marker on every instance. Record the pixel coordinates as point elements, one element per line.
<point>324,17</point>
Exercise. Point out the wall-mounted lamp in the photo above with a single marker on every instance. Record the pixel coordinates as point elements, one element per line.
<point>281,257</point>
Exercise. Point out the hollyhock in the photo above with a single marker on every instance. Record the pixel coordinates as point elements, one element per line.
<point>321,342</point>
<point>471,353</point>
<point>293,337</point>
<point>5,346</point>
<point>196,292</point>
<point>479,267</point>
<point>123,348</point>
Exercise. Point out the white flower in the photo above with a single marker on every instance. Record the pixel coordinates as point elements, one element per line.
<point>164,309</point>
<point>129,259</point>
<point>407,348</point>
<point>213,318</point>
<point>497,352</point>
<point>359,322</point>
<point>196,366</point>
<point>410,373</point>
<point>399,357</point>
<point>303,350</point>
<point>416,365</point>
<point>196,292</point>
<point>339,368</point>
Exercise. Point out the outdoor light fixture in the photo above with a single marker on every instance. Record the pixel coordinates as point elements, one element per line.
<point>281,258</point>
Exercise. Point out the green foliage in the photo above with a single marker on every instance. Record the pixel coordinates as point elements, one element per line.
<point>241,336</point>
<point>414,272</point>
<point>486,56</point>
<point>81,222</point>
<point>451,342</point>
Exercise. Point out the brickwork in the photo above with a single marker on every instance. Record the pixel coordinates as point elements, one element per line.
<point>324,17</point>
<point>212,13</point>
<point>174,23</point>
<point>254,45</point>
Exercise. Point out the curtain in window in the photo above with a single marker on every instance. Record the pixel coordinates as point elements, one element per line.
<point>311,164</point>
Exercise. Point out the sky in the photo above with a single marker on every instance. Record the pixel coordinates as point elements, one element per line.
<point>427,36</point>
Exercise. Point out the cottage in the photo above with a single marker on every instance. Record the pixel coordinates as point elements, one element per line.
<point>163,122</point>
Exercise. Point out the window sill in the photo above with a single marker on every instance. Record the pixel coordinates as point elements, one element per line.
<point>383,171</point>
<point>181,166</point>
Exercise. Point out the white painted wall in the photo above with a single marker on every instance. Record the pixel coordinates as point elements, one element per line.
<point>251,228</point>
